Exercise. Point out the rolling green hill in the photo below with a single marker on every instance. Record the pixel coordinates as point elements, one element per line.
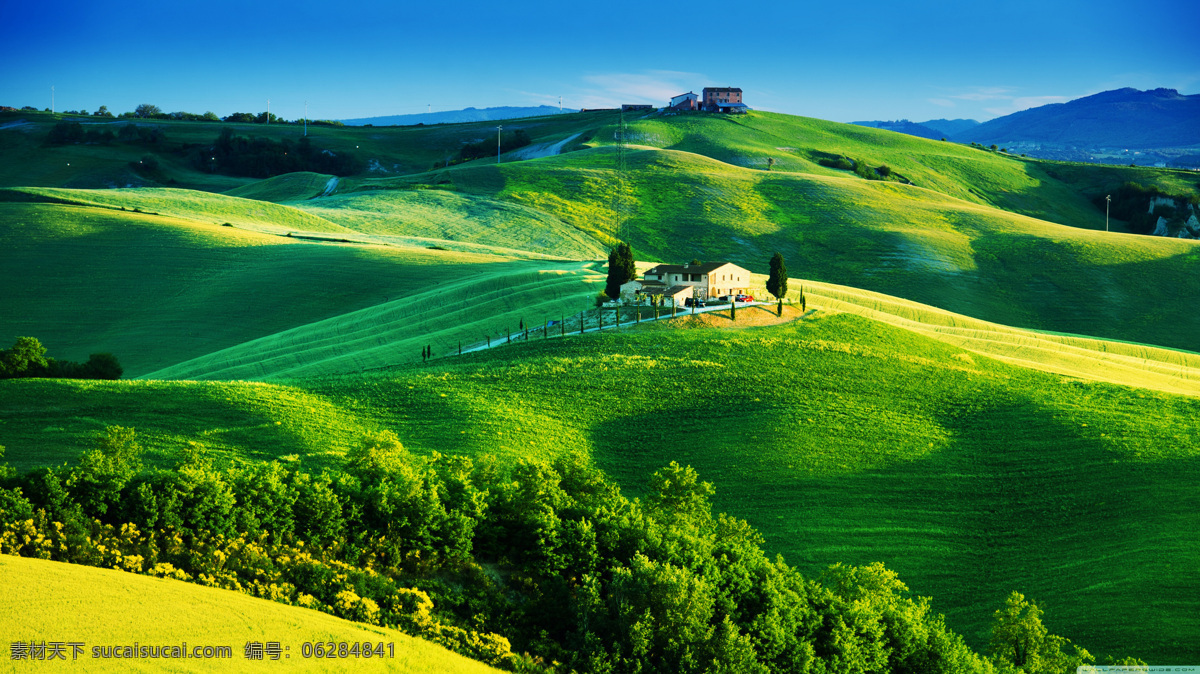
<point>942,411</point>
<point>891,238</point>
<point>158,290</point>
<point>106,608</point>
<point>443,217</point>
<point>841,438</point>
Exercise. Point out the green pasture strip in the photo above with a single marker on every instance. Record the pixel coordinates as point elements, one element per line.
<point>156,291</point>
<point>287,187</point>
<point>105,608</point>
<point>192,205</point>
<point>457,313</point>
<point>438,215</point>
<point>51,420</point>
<point>1129,364</point>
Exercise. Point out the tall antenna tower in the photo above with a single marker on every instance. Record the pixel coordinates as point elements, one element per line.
<point>51,98</point>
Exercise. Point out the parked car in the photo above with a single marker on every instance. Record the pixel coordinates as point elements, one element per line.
<point>745,298</point>
<point>691,301</point>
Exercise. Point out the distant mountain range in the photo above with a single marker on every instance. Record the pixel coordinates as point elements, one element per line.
<point>1124,126</point>
<point>457,116</point>
<point>935,129</point>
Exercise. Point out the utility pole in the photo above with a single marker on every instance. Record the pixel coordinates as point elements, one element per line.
<point>560,104</point>
<point>305,118</point>
<point>430,108</point>
<point>498,128</point>
<point>1107,201</point>
<point>51,99</point>
<point>268,111</point>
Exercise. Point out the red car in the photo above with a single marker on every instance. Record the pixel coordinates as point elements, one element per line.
<point>745,298</point>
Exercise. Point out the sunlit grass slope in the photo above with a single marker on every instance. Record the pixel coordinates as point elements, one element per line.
<point>190,205</point>
<point>796,143</point>
<point>843,439</point>
<point>156,291</point>
<point>47,422</point>
<point>454,314</point>
<point>439,215</point>
<point>287,187</point>
<point>104,607</point>
<point>886,237</point>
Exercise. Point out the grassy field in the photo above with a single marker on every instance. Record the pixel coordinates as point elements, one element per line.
<point>941,411</point>
<point>389,151</point>
<point>158,290</point>
<point>287,187</point>
<point>841,438</point>
<point>106,608</point>
<point>203,207</point>
<point>447,218</point>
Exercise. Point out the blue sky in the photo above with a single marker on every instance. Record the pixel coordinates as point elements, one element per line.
<point>842,61</point>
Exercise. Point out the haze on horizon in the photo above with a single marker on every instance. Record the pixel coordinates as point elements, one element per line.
<point>844,62</point>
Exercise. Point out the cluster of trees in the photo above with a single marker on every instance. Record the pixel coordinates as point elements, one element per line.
<point>27,358</point>
<point>262,157</point>
<point>861,168</point>
<point>538,567</point>
<point>1131,203</point>
<point>73,133</point>
<point>486,148</point>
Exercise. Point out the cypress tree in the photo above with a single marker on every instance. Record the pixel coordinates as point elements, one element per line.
<point>621,269</point>
<point>777,282</point>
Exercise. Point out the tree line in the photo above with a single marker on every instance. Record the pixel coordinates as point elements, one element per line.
<point>231,154</point>
<point>151,111</point>
<point>535,567</point>
<point>27,359</point>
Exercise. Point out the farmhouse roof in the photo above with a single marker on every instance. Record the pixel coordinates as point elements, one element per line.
<point>723,89</point>
<point>686,268</point>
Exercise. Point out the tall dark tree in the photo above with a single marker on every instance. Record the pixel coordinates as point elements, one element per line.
<point>777,282</point>
<point>621,269</point>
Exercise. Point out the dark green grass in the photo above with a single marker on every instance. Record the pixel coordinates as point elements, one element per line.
<point>155,291</point>
<point>842,439</point>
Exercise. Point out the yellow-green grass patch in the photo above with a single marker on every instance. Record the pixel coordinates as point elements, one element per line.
<point>103,608</point>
